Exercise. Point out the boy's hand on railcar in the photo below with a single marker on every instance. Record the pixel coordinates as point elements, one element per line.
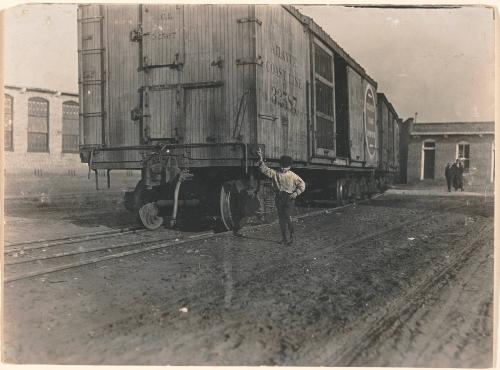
<point>259,154</point>
<point>293,195</point>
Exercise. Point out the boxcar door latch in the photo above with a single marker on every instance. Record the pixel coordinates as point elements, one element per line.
<point>136,34</point>
<point>250,20</point>
<point>245,60</point>
<point>136,114</point>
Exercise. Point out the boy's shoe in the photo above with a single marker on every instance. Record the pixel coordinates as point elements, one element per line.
<point>238,233</point>
<point>290,241</point>
<point>283,241</point>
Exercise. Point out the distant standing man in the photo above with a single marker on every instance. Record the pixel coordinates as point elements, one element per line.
<point>460,175</point>
<point>447,174</point>
<point>453,173</point>
<point>287,185</point>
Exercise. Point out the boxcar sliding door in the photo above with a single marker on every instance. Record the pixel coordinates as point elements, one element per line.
<point>324,116</point>
<point>161,38</point>
<point>182,66</point>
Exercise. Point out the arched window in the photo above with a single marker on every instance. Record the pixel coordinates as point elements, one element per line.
<point>38,125</point>
<point>7,122</point>
<point>463,153</point>
<point>70,127</point>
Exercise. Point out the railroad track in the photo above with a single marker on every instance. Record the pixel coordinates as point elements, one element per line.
<point>30,259</point>
<point>31,262</point>
<point>47,243</point>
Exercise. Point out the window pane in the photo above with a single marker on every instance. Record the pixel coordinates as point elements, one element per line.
<point>38,125</point>
<point>70,143</point>
<point>323,63</point>
<point>38,107</point>
<point>463,151</point>
<point>324,98</point>
<point>70,128</point>
<point>70,110</point>
<point>37,142</point>
<point>463,154</point>
<point>7,121</point>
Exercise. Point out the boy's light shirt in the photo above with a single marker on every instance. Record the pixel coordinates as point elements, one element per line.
<point>284,180</point>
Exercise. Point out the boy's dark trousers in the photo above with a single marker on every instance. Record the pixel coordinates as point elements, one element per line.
<point>284,205</point>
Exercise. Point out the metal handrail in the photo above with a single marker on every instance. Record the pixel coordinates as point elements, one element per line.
<point>160,148</point>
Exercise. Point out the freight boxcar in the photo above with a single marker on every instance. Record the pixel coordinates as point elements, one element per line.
<point>388,123</point>
<point>187,93</point>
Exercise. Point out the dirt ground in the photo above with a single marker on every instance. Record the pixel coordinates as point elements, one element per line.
<point>402,280</point>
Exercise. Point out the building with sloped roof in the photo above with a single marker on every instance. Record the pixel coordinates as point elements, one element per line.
<point>430,146</point>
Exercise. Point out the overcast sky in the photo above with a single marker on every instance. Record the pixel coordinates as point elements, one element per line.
<point>439,62</point>
<point>41,47</point>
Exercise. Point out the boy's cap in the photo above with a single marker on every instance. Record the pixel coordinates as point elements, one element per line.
<point>286,161</point>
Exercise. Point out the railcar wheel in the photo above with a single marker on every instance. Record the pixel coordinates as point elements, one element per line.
<point>148,215</point>
<point>357,189</point>
<point>227,205</point>
<point>341,192</point>
<point>133,198</point>
<point>372,187</point>
<point>363,188</point>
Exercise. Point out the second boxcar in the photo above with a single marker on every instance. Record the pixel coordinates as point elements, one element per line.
<point>388,126</point>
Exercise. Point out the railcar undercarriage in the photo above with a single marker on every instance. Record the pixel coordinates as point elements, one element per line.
<point>172,181</point>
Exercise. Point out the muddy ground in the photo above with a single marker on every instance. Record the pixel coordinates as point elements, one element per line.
<point>402,280</point>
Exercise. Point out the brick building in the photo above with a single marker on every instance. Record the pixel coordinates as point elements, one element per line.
<point>41,132</point>
<point>430,146</point>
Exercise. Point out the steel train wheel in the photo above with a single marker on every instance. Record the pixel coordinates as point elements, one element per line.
<point>227,203</point>
<point>148,215</point>
<point>341,192</point>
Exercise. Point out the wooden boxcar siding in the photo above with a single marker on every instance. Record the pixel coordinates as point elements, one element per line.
<point>199,102</point>
<point>382,128</point>
<point>122,57</point>
<point>395,160</point>
<point>389,135</point>
<point>282,81</point>
<point>396,143</point>
<point>209,98</point>
<point>356,104</point>
<point>384,122</point>
<point>390,144</point>
<point>357,87</point>
<point>90,73</point>
<point>225,44</point>
<point>204,73</point>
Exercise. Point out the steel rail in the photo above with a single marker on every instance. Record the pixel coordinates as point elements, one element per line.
<point>68,240</point>
<point>75,253</point>
<point>168,243</point>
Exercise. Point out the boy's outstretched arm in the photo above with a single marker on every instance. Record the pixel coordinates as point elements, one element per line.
<point>266,171</point>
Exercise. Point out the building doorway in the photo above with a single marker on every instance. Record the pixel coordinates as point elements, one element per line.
<point>429,150</point>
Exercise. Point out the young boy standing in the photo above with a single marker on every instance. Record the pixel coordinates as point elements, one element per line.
<point>287,186</point>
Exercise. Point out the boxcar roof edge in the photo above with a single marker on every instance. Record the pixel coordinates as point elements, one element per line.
<point>389,104</point>
<point>326,38</point>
